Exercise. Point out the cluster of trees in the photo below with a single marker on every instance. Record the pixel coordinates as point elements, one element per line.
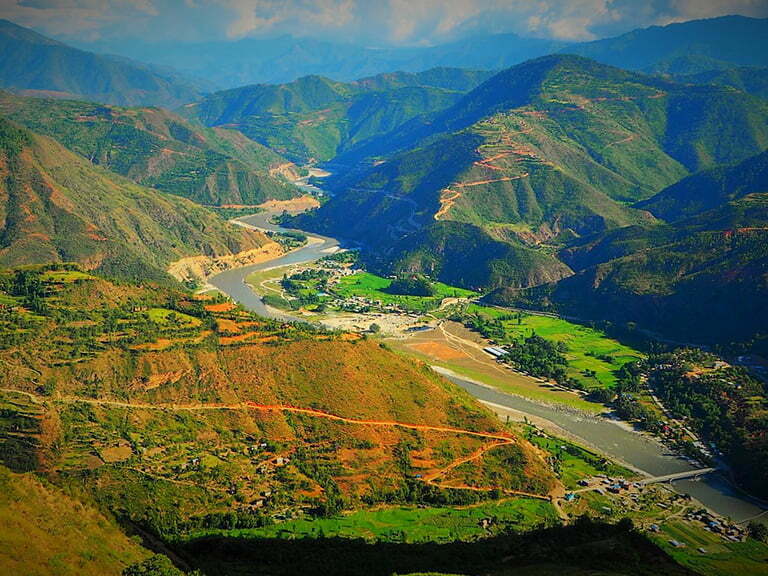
<point>541,357</point>
<point>724,405</point>
<point>415,285</point>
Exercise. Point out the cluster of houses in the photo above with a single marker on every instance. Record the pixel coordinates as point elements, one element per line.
<point>496,352</point>
<point>731,532</point>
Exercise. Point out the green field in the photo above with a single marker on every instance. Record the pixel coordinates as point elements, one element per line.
<point>721,558</point>
<point>166,316</point>
<point>373,287</point>
<point>588,348</point>
<point>411,524</point>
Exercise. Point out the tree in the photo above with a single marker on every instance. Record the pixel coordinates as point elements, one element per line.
<point>758,531</point>
<point>157,565</point>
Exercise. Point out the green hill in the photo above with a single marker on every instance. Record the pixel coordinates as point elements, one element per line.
<point>551,149</point>
<point>56,206</point>
<point>180,415</point>
<point>701,277</point>
<point>317,118</point>
<point>158,149</point>
<point>37,65</point>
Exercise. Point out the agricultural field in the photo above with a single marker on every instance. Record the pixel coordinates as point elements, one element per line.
<point>373,287</point>
<point>409,524</point>
<point>593,357</point>
<point>720,558</point>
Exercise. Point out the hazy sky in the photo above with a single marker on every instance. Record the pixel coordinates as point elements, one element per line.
<point>369,22</point>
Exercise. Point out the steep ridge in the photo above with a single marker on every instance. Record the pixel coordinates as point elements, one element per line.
<point>556,147</point>
<point>56,206</point>
<point>159,149</point>
<point>38,65</point>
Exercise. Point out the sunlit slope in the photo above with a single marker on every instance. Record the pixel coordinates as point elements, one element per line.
<point>46,532</point>
<point>56,206</point>
<point>182,411</point>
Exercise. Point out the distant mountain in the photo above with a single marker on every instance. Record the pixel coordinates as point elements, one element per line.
<point>285,59</point>
<point>543,152</point>
<point>58,207</point>
<point>702,277</point>
<point>36,65</point>
<point>158,149</point>
<point>315,118</point>
<point>684,48</point>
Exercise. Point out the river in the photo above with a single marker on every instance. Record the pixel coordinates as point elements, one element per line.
<point>232,282</point>
<point>613,439</point>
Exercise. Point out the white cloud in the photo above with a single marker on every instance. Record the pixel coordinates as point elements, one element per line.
<point>404,22</point>
<point>260,16</point>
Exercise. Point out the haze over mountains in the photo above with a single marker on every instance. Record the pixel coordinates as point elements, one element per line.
<point>40,66</point>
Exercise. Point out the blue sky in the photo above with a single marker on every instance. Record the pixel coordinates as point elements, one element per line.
<point>367,22</point>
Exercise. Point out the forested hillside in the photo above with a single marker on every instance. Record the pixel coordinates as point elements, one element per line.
<point>702,276</point>
<point>156,148</point>
<point>550,150</point>
<point>318,118</point>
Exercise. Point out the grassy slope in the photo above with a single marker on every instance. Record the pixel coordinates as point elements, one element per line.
<point>374,287</point>
<point>156,148</point>
<point>140,456</point>
<point>45,531</point>
<point>56,206</point>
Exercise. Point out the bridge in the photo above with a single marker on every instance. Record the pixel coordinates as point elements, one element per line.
<point>678,476</point>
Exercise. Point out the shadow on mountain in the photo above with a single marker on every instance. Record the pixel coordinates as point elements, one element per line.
<point>584,548</point>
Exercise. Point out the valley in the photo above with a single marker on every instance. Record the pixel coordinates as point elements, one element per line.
<point>357,288</point>
<point>459,355</point>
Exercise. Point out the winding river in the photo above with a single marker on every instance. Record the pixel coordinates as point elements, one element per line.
<point>619,441</point>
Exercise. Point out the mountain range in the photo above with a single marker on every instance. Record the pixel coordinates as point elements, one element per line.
<point>36,65</point>
<point>555,148</point>
<point>679,48</point>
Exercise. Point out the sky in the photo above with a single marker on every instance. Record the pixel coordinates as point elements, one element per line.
<point>364,22</point>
